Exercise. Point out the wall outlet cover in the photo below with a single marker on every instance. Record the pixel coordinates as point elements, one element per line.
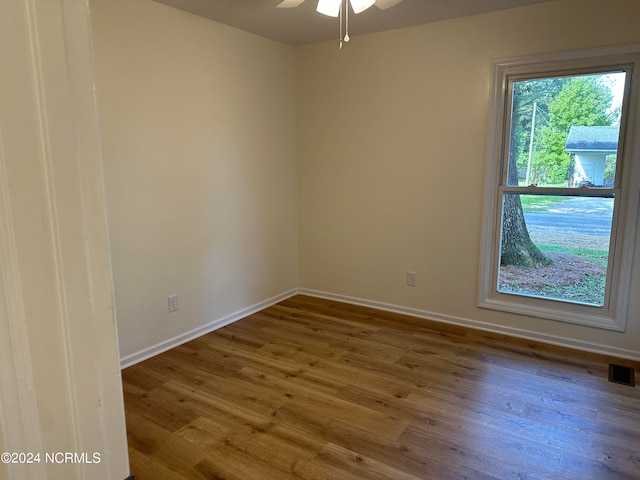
<point>173,303</point>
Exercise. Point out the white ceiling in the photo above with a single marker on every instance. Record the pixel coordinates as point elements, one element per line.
<point>302,25</point>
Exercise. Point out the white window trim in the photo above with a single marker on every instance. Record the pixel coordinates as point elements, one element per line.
<point>613,314</point>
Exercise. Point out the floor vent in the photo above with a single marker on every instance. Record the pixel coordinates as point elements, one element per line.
<point>621,374</point>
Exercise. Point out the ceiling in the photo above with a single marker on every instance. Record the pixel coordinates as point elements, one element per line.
<point>302,25</point>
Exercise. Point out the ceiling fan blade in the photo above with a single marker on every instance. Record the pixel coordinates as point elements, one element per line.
<point>289,3</point>
<point>361,5</point>
<point>384,4</point>
<point>330,8</point>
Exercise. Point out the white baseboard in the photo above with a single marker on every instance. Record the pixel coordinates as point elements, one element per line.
<point>489,327</point>
<point>154,350</point>
<point>149,352</point>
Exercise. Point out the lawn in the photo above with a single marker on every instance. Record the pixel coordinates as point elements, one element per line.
<point>537,203</point>
<point>574,275</point>
<point>596,256</point>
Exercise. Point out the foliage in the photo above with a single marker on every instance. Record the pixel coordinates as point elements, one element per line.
<point>560,103</point>
<point>583,101</point>
<point>528,94</point>
<point>610,167</point>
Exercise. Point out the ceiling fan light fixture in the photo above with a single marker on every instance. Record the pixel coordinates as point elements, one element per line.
<point>330,8</point>
<point>361,5</point>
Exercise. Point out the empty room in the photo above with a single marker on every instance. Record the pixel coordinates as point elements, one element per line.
<point>321,240</point>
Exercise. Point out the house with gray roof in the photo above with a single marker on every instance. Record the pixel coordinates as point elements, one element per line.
<point>589,148</point>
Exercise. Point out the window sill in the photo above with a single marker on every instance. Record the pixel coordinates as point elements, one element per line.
<point>586,315</point>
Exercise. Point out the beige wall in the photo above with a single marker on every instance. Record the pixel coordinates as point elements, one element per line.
<point>391,152</point>
<point>233,163</point>
<point>198,130</point>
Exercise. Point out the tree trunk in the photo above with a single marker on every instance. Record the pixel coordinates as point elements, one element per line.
<point>571,174</point>
<point>517,247</point>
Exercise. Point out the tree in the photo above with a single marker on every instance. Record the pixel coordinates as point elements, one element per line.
<point>517,248</point>
<point>528,94</point>
<point>583,101</point>
<point>562,102</point>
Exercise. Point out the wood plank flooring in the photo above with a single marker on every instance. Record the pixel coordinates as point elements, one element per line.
<point>314,389</point>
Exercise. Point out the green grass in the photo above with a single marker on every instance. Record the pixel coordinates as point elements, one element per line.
<point>590,289</point>
<point>534,203</point>
<point>596,256</point>
<point>537,203</point>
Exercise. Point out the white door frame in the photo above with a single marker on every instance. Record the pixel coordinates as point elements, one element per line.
<point>59,370</point>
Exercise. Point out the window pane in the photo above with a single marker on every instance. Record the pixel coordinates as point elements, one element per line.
<point>555,247</point>
<point>564,131</point>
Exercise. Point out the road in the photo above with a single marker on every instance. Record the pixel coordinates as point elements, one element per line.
<point>583,216</point>
<point>564,224</point>
<point>576,222</point>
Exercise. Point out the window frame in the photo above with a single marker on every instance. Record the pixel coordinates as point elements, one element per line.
<point>613,314</point>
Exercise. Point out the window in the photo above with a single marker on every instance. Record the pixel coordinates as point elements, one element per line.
<point>561,187</point>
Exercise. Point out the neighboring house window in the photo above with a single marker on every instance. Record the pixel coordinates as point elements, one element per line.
<point>560,194</point>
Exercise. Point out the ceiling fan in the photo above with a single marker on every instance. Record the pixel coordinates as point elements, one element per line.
<point>332,7</point>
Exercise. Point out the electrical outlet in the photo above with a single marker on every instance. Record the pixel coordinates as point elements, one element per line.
<point>173,302</point>
<point>411,279</point>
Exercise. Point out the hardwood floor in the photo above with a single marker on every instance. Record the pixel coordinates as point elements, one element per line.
<point>315,389</point>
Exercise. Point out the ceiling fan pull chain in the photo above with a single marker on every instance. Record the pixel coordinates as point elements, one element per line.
<point>346,23</point>
<point>340,47</point>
